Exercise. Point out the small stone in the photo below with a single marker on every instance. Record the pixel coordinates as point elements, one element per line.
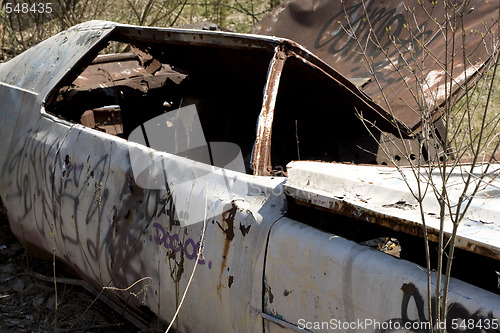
<point>14,322</point>
<point>38,301</point>
<point>7,269</point>
<point>50,303</point>
<point>17,285</point>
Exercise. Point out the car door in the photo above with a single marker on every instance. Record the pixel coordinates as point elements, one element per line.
<point>132,219</point>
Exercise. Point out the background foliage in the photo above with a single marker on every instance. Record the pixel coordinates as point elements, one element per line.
<point>19,31</point>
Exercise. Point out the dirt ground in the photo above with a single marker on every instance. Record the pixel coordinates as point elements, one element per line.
<point>27,295</point>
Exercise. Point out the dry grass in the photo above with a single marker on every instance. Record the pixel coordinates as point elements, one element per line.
<point>27,302</point>
<point>468,130</point>
<point>19,31</point>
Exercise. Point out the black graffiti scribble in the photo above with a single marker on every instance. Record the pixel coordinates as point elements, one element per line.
<point>342,39</point>
<point>411,292</point>
<point>456,314</point>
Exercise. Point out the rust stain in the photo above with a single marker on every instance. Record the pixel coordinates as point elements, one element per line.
<point>262,152</point>
<point>269,295</point>
<point>67,161</point>
<point>475,248</point>
<point>130,216</point>
<point>228,221</point>
<point>395,223</point>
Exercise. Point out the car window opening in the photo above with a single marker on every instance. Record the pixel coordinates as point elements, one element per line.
<point>131,82</point>
<point>119,92</point>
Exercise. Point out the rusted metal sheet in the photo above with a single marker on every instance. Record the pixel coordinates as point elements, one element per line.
<point>380,195</point>
<point>327,28</point>
<point>124,70</point>
<point>205,25</point>
<point>106,119</point>
<point>262,159</point>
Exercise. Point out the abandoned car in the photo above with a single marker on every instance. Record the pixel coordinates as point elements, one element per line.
<point>227,172</point>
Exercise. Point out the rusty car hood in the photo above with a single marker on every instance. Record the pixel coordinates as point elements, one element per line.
<point>322,27</point>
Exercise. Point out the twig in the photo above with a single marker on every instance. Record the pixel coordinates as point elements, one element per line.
<point>202,239</point>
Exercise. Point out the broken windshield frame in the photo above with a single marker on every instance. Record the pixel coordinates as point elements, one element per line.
<point>235,83</point>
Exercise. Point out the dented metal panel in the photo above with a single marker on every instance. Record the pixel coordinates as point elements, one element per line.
<point>321,282</point>
<point>27,79</point>
<point>40,68</point>
<point>381,195</point>
<point>71,192</point>
<point>126,233</point>
<point>326,28</point>
<point>77,196</point>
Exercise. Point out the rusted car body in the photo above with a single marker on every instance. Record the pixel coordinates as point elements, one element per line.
<point>356,37</point>
<point>89,174</point>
